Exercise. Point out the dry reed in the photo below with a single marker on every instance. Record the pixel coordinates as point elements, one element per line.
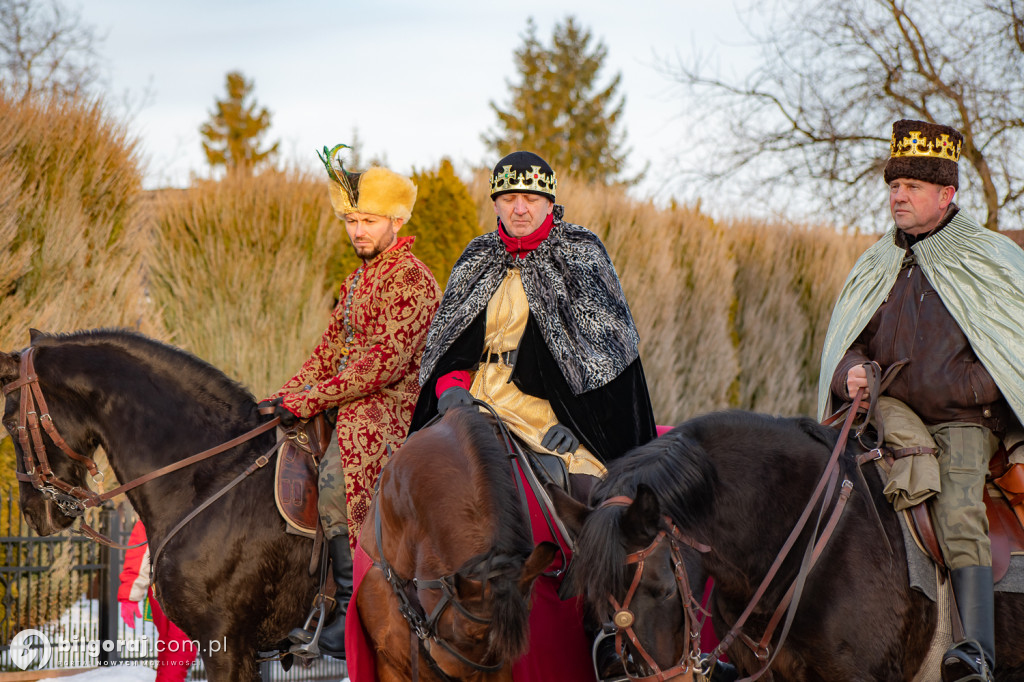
<point>240,272</point>
<point>73,241</point>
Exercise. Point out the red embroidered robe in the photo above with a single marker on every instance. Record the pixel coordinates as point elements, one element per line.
<point>370,371</point>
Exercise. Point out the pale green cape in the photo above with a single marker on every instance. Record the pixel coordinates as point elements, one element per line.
<point>978,274</point>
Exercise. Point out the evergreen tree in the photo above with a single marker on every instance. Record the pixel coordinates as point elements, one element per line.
<point>231,138</point>
<point>443,220</point>
<point>560,111</point>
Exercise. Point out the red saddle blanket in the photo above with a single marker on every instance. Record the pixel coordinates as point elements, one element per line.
<point>559,649</point>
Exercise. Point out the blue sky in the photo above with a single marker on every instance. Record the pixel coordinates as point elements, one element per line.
<point>415,78</point>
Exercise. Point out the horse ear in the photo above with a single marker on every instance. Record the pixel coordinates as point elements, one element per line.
<point>34,334</point>
<point>540,558</point>
<point>643,517</point>
<point>571,511</point>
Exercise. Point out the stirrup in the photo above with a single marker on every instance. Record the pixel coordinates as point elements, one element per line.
<point>306,642</point>
<point>598,651</point>
<point>966,662</point>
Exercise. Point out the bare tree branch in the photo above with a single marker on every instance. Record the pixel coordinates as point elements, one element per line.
<point>46,49</point>
<point>815,115</point>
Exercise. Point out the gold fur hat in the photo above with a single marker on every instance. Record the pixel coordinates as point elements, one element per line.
<point>377,190</point>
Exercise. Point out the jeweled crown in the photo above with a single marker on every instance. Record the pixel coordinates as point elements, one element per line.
<point>533,180</point>
<point>916,144</point>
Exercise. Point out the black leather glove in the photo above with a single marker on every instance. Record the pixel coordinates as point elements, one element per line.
<point>287,418</point>
<point>453,397</point>
<point>560,439</point>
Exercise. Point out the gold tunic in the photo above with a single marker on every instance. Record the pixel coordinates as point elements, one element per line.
<point>527,416</point>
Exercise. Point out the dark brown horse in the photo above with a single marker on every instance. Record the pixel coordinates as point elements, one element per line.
<point>448,526</point>
<point>232,575</point>
<point>736,483</point>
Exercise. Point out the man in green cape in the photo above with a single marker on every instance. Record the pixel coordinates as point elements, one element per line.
<point>944,298</point>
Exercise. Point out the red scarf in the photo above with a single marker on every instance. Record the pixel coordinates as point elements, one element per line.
<point>521,246</point>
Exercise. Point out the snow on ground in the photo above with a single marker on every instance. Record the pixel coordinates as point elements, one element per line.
<point>117,673</point>
<point>120,673</point>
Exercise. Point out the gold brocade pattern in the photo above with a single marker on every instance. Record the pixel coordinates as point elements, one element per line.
<point>529,417</point>
<point>375,389</point>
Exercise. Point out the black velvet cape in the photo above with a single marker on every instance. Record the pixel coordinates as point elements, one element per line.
<point>608,420</point>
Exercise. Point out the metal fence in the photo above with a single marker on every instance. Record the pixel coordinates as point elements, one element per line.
<point>65,587</point>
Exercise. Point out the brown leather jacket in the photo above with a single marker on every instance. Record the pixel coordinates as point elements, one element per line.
<point>943,381</point>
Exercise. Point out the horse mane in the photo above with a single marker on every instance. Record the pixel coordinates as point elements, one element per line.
<point>682,477</point>
<point>512,540</point>
<point>196,376</point>
<point>680,472</point>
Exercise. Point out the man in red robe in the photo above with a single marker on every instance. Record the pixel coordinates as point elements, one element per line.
<point>366,364</point>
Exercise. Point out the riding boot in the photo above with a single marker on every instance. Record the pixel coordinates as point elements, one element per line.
<point>332,636</point>
<point>973,659</point>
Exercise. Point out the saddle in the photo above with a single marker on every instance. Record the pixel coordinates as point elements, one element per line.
<point>297,470</point>
<point>1004,506</point>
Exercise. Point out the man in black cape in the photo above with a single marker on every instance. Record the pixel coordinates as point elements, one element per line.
<point>534,322</point>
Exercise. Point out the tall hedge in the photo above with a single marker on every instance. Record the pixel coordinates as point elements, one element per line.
<point>71,228</point>
<point>443,221</point>
<point>240,272</point>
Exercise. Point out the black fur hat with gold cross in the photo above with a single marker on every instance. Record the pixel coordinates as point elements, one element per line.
<point>523,172</point>
<point>924,151</point>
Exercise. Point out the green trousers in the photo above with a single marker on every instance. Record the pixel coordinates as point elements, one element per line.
<point>963,453</point>
<point>332,503</point>
<point>959,509</point>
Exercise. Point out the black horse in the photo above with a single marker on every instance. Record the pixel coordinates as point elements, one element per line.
<point>734,484</point>
<point>231,575</point>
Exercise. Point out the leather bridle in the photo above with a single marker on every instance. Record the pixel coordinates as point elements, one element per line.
<point>623,619</point>
<point>34,418</point>
<point>423,628</point>
<point>824,491</point>
<point>34,413</point>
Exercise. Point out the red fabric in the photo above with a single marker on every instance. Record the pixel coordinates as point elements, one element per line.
<point>708,639</point>
<point>359,661</point>
<point>521,246</point>
<point>133,563</point>
<point>459,377</point>
<point>393,299</point>
<point>175,652</point>
<point>559,649</point>
<point>662,430</point>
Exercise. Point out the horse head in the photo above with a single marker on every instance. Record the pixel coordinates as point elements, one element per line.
<point>52,484</point>
<point>489,622</point>
<point>631,569</point>
<point>636,569</point>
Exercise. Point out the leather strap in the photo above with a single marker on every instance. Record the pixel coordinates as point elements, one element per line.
<point>827,480</point>
<point>259,463</point>
<point>509,357</point>
<point>909,452</point>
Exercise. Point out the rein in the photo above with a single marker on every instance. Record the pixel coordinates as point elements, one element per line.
<point>827,484</point>
<point>791,599</point>
<point>424,627</point>
<point>72,500</point>
<point>623,618</point>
